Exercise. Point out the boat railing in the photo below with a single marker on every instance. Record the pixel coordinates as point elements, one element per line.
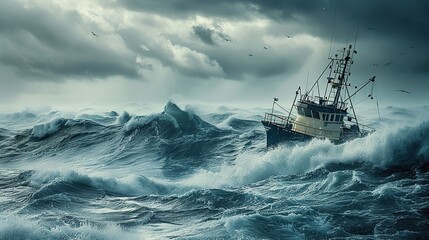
<point>283,121</point>
<point>278,119</point>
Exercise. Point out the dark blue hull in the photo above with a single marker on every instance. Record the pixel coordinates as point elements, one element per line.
<point>280,134</point>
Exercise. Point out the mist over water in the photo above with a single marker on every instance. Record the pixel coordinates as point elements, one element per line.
<point>192,172</point>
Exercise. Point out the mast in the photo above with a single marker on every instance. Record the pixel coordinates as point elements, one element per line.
<point>341,78</point>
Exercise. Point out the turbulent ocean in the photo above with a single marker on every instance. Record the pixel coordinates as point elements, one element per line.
<point>190,172</point>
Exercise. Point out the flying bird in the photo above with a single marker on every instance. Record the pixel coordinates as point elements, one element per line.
<point>266,48</point>
<point>288,36</point>
<point>94,34</point>
<point>228,40</point>
<point>404,91</point>
<point>377,65</point>
<point>250,55</point>
<point>371,28</point>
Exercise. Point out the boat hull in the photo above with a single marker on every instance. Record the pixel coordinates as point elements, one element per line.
<point>277,134</point>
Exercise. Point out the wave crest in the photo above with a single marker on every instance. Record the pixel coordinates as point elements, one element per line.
<point>42,131</point>
<point>171,122</point>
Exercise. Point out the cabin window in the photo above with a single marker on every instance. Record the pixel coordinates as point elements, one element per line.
<point>332,117</point>
<point>301,111</point>
<point>327,117</point>
<point>324,117</point>
<point>337,118</point>
<point>341,118</point>
<point>316,115</point>
<point>307,112</point>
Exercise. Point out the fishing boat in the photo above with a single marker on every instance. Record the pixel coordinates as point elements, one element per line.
<point>330,115</point>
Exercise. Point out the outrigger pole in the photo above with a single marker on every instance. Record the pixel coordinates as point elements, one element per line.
<point>370,80</point>
<point>293,104</point>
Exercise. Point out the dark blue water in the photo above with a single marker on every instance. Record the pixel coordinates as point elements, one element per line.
<point>193,174</point>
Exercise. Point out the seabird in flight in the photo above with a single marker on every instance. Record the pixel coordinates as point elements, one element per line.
<point>94,34</point>
<point>404,91</point>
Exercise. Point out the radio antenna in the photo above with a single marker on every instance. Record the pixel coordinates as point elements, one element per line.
<point>332,35</point>
<point>354,45</point>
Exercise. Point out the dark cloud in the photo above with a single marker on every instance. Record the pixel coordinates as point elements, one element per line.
<point>388,25</point>
<point>386,16</point>
<point>188,8</point>
<point>205,34</point>
<point>53,44</point>
<point>210,35</point>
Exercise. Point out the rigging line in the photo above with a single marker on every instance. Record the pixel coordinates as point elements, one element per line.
<point>319,78</point>
<point>331,63</point>
<point>284,109</point>
<point>378,110</point>
<point>376,100</point>
<point>359,85</point>
<point>352,107</point>
<point>369,81</point>
<point>318,89</point>
<point>362,100</point>
<point>306,83</point>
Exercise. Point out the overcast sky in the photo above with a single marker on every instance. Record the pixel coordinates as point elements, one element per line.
<point>149,51</point>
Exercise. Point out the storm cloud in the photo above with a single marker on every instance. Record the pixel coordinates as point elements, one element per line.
<point>177,46</point>
<point>394,27</point>
<point>52,43</point>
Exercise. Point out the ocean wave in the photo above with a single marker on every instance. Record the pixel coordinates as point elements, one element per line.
<point>4,133</point>
<point>172,122</point>
<point>79,126</point>
<point>123,118</point>
<point>291,226</point>
<point>106,119</point>
<point>188,122</point>
<point>404,147</point>
<point>20,227</point>
<point>156,124</point>
<point>191,174</point>
<point>54,182</point>
<point>44,130</point>
<point>232,122</point>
